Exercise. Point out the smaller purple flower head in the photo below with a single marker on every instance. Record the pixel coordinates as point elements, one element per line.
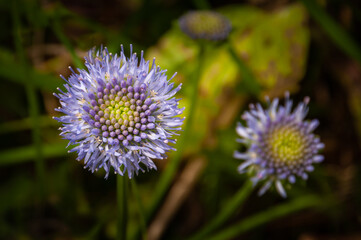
<point>281,145</point>
<point>120,113</point>
<point>205,24</point>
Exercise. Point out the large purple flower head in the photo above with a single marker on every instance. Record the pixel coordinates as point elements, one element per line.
<point>119,113</point>
<point>281,145</point>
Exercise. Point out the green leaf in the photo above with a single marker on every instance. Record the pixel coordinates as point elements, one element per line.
<point>273,45</point>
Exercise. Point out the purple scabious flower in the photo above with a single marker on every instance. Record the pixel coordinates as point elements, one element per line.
<point>205,24</point>
<point>119,112</point>
<point>281,145</point>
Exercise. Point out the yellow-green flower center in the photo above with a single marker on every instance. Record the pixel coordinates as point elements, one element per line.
<point>205,25</point>
<point>286,145</point>
<point>121,112</point>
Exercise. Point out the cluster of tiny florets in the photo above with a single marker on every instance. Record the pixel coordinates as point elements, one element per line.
<point>205,24</point>
<point>281,145</point>
<point>119,113</point>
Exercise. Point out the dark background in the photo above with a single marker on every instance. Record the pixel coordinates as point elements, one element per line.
<point>310,48</point>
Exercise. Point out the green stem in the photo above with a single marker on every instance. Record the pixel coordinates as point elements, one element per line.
<point>249,82</point>
<point>226,212</point>
<point>194,94</point>
<point>32,100</point>
<point>333,29</point>
<point>141,212</point>
<point>122,212</point>
<point>267,216</point>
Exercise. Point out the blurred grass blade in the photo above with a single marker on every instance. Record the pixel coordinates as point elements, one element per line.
<point>267,216</point>
<point>26,123</point>
<point>57,28</point>
<point>32,100</point>
<point>28,153</point>
<point>21,73</point>
<point>36,136</point>
<point>229,208</point>
<point>334,30</point>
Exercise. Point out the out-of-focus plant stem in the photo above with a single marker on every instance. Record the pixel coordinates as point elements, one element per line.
<point>229,208</point>
<point>32,99</point>
<point>122,213</point>
<point>141,212</point>
<point>249,82</point>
